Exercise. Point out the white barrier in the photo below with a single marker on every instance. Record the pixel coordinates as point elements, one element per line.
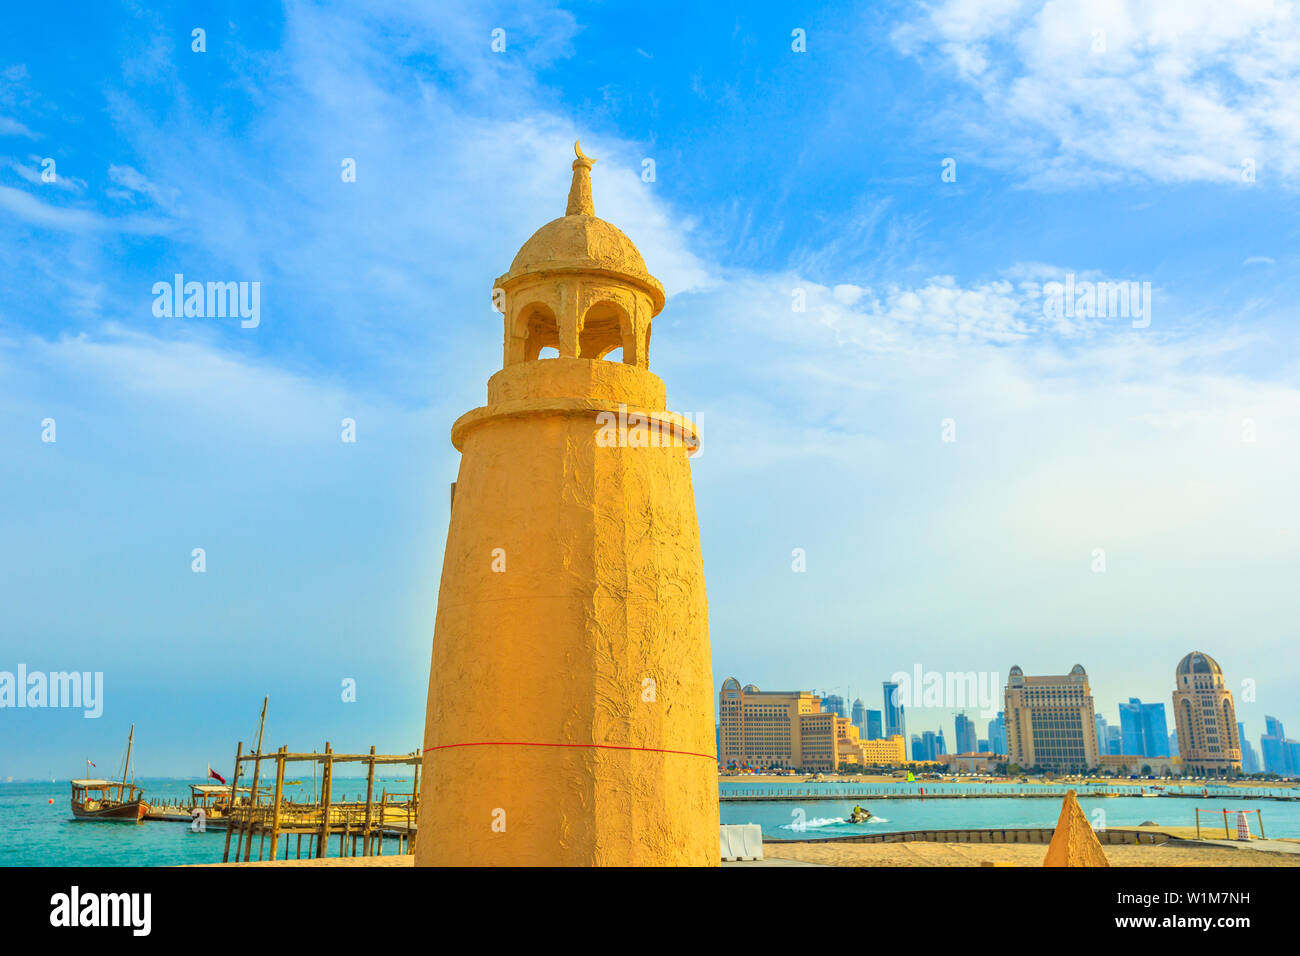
<point>741,841</point>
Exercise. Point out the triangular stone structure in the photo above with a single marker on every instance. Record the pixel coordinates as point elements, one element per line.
<point>1074,843</point>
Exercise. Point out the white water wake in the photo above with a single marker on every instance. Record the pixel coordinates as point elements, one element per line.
<point>822,823</point>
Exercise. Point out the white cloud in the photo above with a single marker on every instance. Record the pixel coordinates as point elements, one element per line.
<point>847,293</point>
<point>1168,90</point>
<point>32,174</point>
<point>11,127</point>
<point>134,182</point>
<point>221,404</point>
<point>939,313</point>
<point>28,208</point>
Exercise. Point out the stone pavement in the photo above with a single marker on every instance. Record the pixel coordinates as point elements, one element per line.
<point>1263,846</point>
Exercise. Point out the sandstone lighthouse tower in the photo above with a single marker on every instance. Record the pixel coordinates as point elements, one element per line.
<point>570,713</point>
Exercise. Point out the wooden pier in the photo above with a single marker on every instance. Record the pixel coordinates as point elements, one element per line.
<point>360,825</point>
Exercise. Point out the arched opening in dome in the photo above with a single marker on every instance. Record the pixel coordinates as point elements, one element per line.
<point>548,352</point>
<point>537,326</point>
<point>606,329</point>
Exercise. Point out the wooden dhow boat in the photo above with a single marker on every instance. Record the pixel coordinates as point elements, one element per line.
<point>110,799</point>
<point>208,802</point>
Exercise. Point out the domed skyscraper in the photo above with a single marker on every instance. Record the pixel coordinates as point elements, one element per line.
<point>570,712</point>
<point>1206,719</point>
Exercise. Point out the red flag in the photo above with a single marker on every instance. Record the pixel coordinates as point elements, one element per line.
<point>213,774</point>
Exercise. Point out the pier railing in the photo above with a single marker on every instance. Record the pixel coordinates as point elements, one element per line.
<point>391,813</point>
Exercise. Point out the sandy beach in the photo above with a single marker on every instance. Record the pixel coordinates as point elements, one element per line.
<point>1015,854</point>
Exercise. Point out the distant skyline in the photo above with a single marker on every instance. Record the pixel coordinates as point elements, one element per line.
<point>934,719</point>
<point>913,453</point>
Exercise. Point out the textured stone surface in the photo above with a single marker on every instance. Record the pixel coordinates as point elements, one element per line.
<point>579,240</point>
<point>610,382</point>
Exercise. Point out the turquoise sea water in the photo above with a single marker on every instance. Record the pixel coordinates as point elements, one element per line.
<point>788,817</point>
<point>34,832</point>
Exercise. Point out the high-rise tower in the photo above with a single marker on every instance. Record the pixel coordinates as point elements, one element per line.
<point>570,711</point>
<point>1051,721</point>
<point>1205,717</point>
<point>895,715</point>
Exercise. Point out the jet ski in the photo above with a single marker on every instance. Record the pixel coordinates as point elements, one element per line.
<point>859,815</point>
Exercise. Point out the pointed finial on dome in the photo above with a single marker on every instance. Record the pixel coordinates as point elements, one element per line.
<point>580,201</point>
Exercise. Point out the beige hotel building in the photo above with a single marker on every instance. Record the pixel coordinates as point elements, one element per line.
<point>1051,721</point>
<point>789,729</point>
<point>1205,717</point>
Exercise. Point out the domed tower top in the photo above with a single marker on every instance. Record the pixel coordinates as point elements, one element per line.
<point>1198,668</point>
<point>578,285</point>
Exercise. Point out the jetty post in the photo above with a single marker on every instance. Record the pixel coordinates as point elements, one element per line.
<point>234,782</point>
<point>275,807</point>
<point>370,799</point>
<point>326,784</point>
<point>326,814</point>
<point>257,768</point>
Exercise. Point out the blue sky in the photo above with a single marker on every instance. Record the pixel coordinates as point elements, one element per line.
<point>1110,141</point>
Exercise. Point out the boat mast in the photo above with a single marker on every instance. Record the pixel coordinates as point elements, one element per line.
<point>261,724</point>
<point>130,739</point>
<point>257,764</point>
